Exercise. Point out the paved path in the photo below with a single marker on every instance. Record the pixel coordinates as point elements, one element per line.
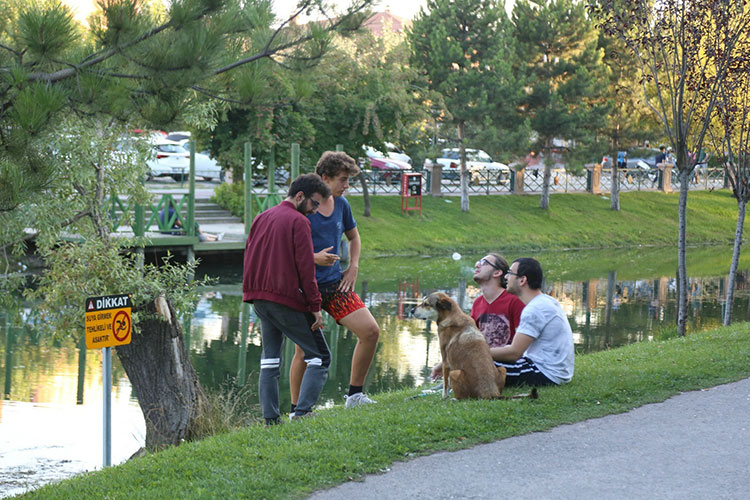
<point>695,445</point>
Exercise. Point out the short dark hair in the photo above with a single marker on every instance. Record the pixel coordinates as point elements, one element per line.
<point>309,184</point>
<point>333,163</point>
<point>502,265</point>
<point>532,269</point>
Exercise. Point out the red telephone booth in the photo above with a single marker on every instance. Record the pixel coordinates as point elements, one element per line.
<point>411,189</point>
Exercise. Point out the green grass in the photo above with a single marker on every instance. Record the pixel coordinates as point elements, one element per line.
<point>516,223</point>
<point>294,459</point>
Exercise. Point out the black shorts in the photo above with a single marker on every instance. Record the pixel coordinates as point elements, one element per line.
<point>524,372</point>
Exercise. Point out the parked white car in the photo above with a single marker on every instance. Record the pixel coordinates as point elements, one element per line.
<point>173,159</point>
<point>169,159</point>
<point>207,167</point>
<point>393,153</point>
<point>478,163</point>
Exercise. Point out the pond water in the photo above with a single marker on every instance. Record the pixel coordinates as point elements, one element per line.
<point>51,412</point>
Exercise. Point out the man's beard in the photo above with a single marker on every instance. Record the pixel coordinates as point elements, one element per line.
<point>302,206</point>
<point>479,280</point>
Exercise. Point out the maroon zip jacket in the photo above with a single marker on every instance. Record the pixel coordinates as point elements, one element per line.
<point>279,263</point>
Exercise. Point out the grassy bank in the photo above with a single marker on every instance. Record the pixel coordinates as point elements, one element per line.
<point>293,459</point>
<point>515,223</point>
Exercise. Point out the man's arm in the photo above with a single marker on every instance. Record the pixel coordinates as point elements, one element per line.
<point>325,258</point>
<point>349,277</point>
<point>514,351</point>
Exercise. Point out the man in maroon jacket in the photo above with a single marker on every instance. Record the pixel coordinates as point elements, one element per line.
<point>279,279</point>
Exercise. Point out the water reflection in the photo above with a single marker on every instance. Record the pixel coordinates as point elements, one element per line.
<point>224,338</point>
<point>604,312</point>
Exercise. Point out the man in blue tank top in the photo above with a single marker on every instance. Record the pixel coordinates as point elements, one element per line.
<point>332,220</point>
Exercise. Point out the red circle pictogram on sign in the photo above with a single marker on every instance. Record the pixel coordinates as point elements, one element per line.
<point>121,326</point>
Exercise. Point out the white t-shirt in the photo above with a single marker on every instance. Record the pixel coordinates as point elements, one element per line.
<point>552,350</point>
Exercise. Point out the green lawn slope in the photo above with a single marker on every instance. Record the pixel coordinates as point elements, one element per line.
<point>512,223</point>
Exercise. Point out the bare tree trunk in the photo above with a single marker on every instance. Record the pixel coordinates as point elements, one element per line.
<point>614,202</point>
<point>682,300</point>
<point>365,193</point>
<point>544,200</point>
<point>741,205</point>
<point>547,177</point>
<point>464,172</point>
<point>165,383</point>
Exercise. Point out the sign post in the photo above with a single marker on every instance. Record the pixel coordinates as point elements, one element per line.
<point>107,407</point>
<point>108,323</point>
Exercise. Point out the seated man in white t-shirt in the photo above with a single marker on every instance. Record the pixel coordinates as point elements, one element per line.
<point>541,352</point>
<point>496,312</point>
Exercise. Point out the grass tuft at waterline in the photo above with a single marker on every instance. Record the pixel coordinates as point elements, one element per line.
<point>294,459</point>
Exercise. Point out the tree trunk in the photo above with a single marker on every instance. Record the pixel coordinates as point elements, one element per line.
<point>544,201</point>
<point>682,300</point>
<point>464,172</point>
<point>165,383</point>
<point>741,205</point>
<point>547,177</point>
<point>365,193</point>
<point>614,202</point>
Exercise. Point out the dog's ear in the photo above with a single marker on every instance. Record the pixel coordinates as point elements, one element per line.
<point>443,304</point>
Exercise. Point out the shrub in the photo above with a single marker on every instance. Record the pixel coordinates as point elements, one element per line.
<point>231,197</point>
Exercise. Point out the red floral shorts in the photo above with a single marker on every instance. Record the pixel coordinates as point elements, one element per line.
<point>337,303</point>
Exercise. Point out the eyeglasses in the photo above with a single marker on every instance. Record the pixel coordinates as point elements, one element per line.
<point>510,273</point>
<point>484,261</point>
<point>315,203</point>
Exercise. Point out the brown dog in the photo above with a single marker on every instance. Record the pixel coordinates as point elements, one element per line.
<point>467,363</point>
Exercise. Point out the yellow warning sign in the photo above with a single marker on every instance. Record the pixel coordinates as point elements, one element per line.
<point>108,321</point>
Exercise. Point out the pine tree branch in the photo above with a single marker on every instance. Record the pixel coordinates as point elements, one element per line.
<point>9,49</point>
<point>268,51</point>
<point>207,93</point>
<point>94,59</point>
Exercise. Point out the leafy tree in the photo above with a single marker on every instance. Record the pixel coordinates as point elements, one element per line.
<point>628,120</point>
<point>557,47</point>
<point>683,49</point>
<point>272,120</point>
<point>730,134</point>
<point>360,93</point>
<point>68,94</point>
<point>364,96</point>
<point>465,49</point>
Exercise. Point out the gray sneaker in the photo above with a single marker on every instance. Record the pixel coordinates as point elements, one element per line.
<point>294,416</point>
<point>358,399</point>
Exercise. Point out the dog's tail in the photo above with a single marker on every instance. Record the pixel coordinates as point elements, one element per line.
<point>531,395</point>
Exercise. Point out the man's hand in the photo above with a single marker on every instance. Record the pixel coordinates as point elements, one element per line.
<point>318,321</point>
<point>323,258</point>
<point>437,371</point>
<point>348,279</point>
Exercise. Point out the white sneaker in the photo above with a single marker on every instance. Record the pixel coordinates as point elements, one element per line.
<point>293,416</point>
<point>358,399</point>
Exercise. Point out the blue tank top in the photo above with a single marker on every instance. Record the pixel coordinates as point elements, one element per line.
<point>327,232</point>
